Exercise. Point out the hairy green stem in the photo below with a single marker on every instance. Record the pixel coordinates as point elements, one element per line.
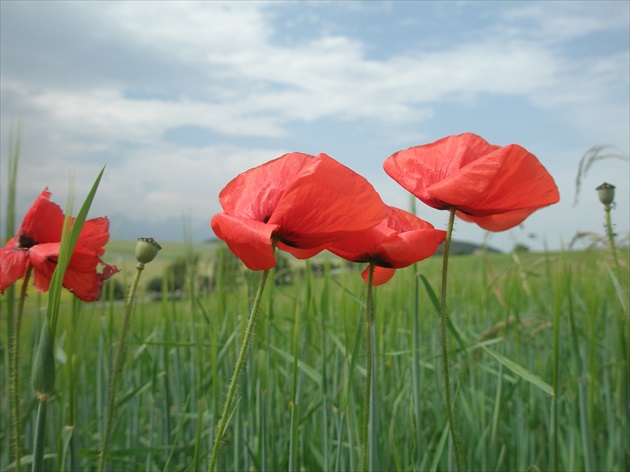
<point>118,361</point>
<point>624,331</point>
<point>225,416</point>
<point>367,457</point>
<point>415,366</point>
<point>611,239</point>
<point>14,354</point>
<point>443,323</point>
<point>13,325</point>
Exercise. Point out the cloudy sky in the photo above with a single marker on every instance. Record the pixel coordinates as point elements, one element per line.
<point>178,98</point>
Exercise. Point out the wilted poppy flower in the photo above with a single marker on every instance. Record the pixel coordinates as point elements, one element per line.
<point>37,243</point>
<point>398,241</point>
<point>298,201</point>
<point>495,187</point>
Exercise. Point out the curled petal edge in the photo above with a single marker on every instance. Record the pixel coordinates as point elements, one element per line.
<point>249,240</point>
<point>381,275</point>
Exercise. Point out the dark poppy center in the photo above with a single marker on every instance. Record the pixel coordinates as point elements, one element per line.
<point>26,242</point>
<point>266,218</point>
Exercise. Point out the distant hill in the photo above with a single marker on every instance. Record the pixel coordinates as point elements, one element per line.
<point>464,247</point>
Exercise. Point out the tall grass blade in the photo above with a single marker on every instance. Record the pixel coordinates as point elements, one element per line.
<point>44,365</point>
<point>521,371</point>
<point>65,253</point>
<point>295,410</point>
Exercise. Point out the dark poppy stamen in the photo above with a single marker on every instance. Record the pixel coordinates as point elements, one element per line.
<point>26,242</point>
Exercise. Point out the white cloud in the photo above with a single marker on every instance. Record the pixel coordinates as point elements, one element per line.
<point>562,21</point>
<point>254,86</point>
<point>158,182</point>
<point>132,71</point>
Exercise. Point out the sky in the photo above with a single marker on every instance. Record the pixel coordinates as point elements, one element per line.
<point>177,98</point>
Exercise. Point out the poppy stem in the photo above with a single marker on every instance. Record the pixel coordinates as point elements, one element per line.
<point>118,361</point>
<point>622,329</point>
<point>227,413</point>
<point>611,239</point>
<point>14,354</point>
<point>367,458</point>
<point>443,323</point>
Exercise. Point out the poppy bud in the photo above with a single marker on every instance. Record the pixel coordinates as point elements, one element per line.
<point>606,193</point>
<point>146,250</point>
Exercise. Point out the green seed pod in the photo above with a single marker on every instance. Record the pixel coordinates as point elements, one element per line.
<point>606,193</point>
<point>43,376</point>
<point>146,250</point>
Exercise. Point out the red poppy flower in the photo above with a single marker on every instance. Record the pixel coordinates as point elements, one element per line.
<point>495,187</point>
<point>299,201</point>
<point>398,241</point>
<point>37,243</point>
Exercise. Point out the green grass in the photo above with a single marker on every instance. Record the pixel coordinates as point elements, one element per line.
<point>300,394</point>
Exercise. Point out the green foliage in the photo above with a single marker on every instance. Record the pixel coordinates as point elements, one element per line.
<point>177,274</point>
<point>227,269</point>
<point>180,358</point>
<point>283,272</point>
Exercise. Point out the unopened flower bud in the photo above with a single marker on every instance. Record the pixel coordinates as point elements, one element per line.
<point>146,250</point>
<point>606,193</point>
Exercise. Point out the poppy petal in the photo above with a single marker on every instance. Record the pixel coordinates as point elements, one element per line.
<point>43,221</point>
<point>364,245</point>
<point>397,242</point>
<point>508,179</point>
<point>44,260</point>
<point>85,285</point>
<point>108,271</point>
<point>300,253</point>
<point>381,275</point>
<point>255,193</point>
<point>95,234</point>
<point>13,264</point>
<point>326,203</point>
<point>482,181</point>
<point>419,167</point>
<point>248,239</point>
<point>500,221</point>
<point>411,246</point>
<point>80,278</point>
